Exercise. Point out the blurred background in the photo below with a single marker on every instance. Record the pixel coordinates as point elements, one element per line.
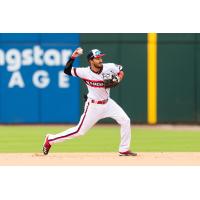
<point>34,89</point>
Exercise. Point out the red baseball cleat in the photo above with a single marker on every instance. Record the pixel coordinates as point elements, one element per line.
<point>127,153</point>
<point>46,146</point>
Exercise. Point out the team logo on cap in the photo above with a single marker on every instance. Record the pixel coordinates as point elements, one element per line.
<point>97,53</point>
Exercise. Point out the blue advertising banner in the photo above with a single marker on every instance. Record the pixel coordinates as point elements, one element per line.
<point>33,87</point>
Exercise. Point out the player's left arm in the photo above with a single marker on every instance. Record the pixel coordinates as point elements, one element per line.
<point>120,75</point>
<point>116,76</point>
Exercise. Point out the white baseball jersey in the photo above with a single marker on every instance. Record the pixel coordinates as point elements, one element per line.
<point>94,112</point>
<point>94,81</point>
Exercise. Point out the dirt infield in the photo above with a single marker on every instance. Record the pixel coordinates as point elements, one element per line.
<point>100,159</point>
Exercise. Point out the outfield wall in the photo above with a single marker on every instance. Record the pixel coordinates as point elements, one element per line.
<point>129,50</point>
<point>179,78</point>
<point>178,74</point>
<point>34,89</point>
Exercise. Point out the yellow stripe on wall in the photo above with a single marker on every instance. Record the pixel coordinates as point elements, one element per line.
<point>152,78</point>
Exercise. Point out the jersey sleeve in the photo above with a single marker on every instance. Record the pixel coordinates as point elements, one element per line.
<point>116,68</point>
<point>119,67</point>
<point>78,72</point>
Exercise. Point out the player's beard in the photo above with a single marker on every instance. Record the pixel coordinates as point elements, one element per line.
<point>99,65</point>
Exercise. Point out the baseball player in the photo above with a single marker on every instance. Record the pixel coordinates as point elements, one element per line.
<point>99,78</point>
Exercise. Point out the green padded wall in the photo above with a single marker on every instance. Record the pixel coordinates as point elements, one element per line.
<point>176,78</point>
<point>129,50</point>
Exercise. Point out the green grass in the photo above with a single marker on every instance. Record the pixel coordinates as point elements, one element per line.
<point>98,139</point>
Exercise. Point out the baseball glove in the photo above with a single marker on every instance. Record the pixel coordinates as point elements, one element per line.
<point>111,81</point>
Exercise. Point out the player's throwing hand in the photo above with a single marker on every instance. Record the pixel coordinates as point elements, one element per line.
<point>77,52</point>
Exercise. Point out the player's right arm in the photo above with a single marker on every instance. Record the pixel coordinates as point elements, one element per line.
<point>69,64</point>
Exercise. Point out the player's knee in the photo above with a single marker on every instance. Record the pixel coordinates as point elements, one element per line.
<point>125,120</point>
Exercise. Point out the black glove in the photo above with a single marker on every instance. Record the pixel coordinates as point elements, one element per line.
<point>111,81</point>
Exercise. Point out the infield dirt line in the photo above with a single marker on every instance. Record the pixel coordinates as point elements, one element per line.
<point>100,159</point>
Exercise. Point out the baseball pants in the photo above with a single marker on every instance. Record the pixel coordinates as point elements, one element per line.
<point>92,114</point>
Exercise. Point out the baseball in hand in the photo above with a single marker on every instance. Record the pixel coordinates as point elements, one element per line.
<point>79,51</point>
